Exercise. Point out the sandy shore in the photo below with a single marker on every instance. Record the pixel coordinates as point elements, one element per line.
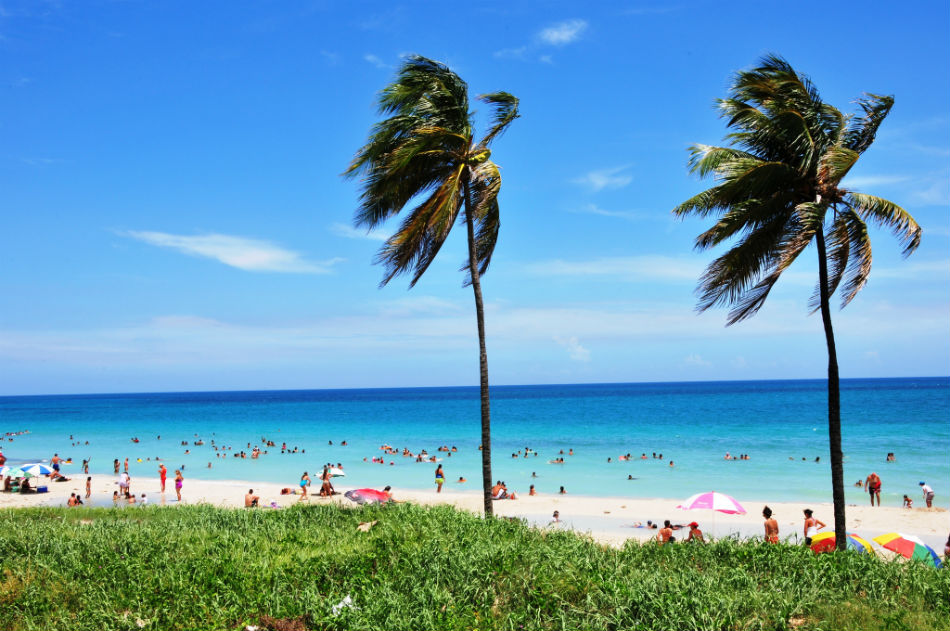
<point>606,519</point>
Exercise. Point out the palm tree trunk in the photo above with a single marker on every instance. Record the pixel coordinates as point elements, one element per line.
<point>482,354</point>
<point>834,401</point>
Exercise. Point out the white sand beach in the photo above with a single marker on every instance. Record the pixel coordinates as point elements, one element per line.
<point>607,519</point>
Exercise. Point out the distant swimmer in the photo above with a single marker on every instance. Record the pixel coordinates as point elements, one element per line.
<point>461,479</point>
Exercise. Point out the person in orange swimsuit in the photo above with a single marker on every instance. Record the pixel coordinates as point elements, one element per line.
<point>771,526</point>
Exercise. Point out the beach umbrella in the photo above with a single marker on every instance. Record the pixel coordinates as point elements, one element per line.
<point>713,501</point>
<point>910,547</point>
<point>335,472</point>
<point>825,542</point>
<point>7,470</point>
<point>36,469</point>
<point>366,496</point>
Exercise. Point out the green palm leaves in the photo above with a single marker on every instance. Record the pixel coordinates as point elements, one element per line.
<point>776,183</point>
<point>425,149</point>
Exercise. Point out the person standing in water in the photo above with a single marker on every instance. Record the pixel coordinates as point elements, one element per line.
<point>439,479</point>
<point>179,482</point>
<point>873,486</point>
<point>162,475</point>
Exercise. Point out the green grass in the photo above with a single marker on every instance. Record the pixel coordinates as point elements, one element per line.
<point>198,567</point>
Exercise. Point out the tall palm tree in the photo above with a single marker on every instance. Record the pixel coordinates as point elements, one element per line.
<point>778,190</point>
<point>425,150</point>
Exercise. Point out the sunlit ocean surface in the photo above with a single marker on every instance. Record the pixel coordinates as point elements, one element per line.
<point>782,425</point>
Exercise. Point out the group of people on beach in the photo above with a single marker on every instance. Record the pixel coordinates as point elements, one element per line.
<point>872,486</point>
<point>811,526</point>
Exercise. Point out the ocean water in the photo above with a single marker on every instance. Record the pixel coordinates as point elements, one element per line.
<point>782,425</point>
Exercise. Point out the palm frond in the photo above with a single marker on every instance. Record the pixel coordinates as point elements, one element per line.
<point>838,247</point>
<point>484,186</point>
<point>505,112</point>
<point>861,131</point>
<point>859,265</point>
<point>835,164</point>
<point>420,237</point>
<point>887,214</point>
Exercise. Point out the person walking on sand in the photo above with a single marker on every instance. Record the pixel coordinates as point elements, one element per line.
<point>179,482</point>
<point>928,493</point>
<point>812,525</point>
<point>304,483</point>
<point>771,526</point>
<point>88,487</point>
<point>162,475</point>
<point>439,479</point>
<point>873,486</point>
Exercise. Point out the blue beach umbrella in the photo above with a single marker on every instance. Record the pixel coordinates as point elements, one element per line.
<point>36,469</point>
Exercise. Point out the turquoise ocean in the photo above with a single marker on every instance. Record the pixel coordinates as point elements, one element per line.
<point>781,425</point>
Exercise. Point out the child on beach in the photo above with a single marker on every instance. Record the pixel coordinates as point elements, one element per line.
<point>908,503</point>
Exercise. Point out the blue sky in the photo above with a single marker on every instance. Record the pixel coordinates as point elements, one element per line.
<point>174,219</point>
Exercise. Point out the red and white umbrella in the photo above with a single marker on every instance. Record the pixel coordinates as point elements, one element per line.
<point>712,500</point>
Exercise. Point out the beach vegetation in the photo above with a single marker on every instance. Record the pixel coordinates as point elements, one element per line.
<point>311,567</point>
<point>425,151</point>
<point>779,189</point>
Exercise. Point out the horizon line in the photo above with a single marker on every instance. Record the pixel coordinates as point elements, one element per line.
<point>452,387</point>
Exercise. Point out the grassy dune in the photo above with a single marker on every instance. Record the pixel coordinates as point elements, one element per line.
<point>198,567</point>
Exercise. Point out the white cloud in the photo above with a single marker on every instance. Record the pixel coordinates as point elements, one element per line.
<point>594,209</point>
<point>343,230</point>
<point>919,270</point>
<point>563,32</point>
<point>630,268</point>
<point>936,194</point>
<point>252,255</point>
<point>857,182</point>
<point>696,360</point>
<point>574,349</point>
<point>511,53</point>
<point>376,61</point>
<point>605,179</point>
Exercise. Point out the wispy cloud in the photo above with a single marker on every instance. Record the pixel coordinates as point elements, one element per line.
<point>594,209</point>
<point>343,230</point>
<point>376,61</point>
<point>252,255</point>
<point>628,268</point>
<point>605,179</point>
<point>511,53</point>
<point>868,181</point>
<point>696,360</point>
<point>563,32</point>
<point>557,35</point>
<point>40,162</point>
<point>574,349</point>
<point>331,58</point>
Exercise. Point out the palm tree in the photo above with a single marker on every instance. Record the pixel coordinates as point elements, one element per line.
<point>778,190</point>
<point>425,150</point>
